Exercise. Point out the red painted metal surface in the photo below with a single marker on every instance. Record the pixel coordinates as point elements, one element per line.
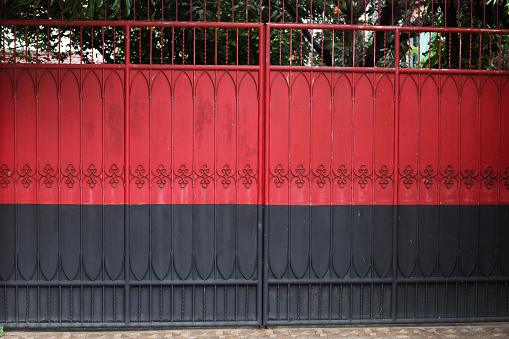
<point>193,137</point>
<point>170,135</point>
<point>331,138</point>
<point>230,133</point>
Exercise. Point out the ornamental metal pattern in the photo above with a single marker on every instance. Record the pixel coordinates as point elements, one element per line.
<point>114,175</point>
<point>341,176</point>
<point>161,177</point>
<point>48,176</point>
<point>505,178</point>
<point>408,177</point>
<point>320,176</point>
<point>469,177</point>
<point>25,175</point>
<point>226,176</point>
<point>489,177</point>
<point>278,176</point>
<point>384,176</point>
<point>449,176</point>
<point>363,176</point>
<point>247,176</point>
<point>5,176</point>
<point>92,176</point>
<point>204,176</point>
<point>70,175</point>
<point>428,176</point>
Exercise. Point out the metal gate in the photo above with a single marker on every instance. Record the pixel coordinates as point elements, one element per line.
<point>272,181</point>
<point>387,191</point>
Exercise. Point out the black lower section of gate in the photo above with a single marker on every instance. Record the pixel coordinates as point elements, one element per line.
<point>381,264</point>
<point>174,265</point>
<point>138,265</point>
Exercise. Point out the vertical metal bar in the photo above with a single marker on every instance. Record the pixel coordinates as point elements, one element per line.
<point>103,160</point>
<point>480,55</point>
<point>353,49</point>
<point>26,45</point>
<point>264,59</point>
<point>37,201</point>
<point>499,51</point>
<point>81,46</point>
<point>127,76</point>
<point>15,43</point>
<point>396,177</point>
<point>439,50</point>
<point>103,51</point>
<point>333,56</point>
<point>3,41</point>
<point>92,39</point>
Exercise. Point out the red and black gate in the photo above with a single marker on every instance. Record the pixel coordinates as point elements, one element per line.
<point>194,184</point>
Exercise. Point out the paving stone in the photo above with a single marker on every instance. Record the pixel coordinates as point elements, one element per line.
<point>462,331</point>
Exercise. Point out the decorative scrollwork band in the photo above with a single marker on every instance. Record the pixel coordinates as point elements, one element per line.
<point>408,176</point>
<point>226,176</point>
<point>139,176</point>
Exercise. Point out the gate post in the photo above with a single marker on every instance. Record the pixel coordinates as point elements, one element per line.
<point>127,61</point>
<point>262,101</point>
<point>265,30</point>
<point>396,178</point>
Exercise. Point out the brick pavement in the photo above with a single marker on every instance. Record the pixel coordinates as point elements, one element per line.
<point>486,330</point>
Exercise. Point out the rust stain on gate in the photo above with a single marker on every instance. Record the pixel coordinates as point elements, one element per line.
<point>281,173</point>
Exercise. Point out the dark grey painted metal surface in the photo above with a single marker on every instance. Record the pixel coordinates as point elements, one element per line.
<point>165,265</point>
<point>340,264</point>
<point>201,264</point>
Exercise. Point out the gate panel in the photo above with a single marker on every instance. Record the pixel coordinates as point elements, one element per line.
<point>403,246</point>
<point>428,134</point>
<point>185,250</point>
<point>383,173</point>
<point>189,143</point>
<point>333,193</point>
<point>7,168</point>
<point>47,140</point>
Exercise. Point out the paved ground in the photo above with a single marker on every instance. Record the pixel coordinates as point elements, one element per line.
<point>487,330</point>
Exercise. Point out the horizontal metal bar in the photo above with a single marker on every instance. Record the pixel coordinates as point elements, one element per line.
<point>194,283</point>
<point>453,71</point>
<point>442,280</point>
<point>387,28</point>
<point>135,66</point>
<point>197,67</point>
<point>252,25</point>
<point>383,321</point>
<point>62,66</point>
<point>131,283</point>
<point>126,23</point>
<point>385,70</point>
<point>431,280</point>
<point>332,69</point>
<point>119,325</point>
<point>329,281</point>
<point>37,283</point>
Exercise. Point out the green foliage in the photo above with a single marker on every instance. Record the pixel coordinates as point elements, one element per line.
<point>496,2</point>
<point>1,331</point>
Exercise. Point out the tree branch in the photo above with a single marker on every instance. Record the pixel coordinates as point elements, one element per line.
<point>327,57</point>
